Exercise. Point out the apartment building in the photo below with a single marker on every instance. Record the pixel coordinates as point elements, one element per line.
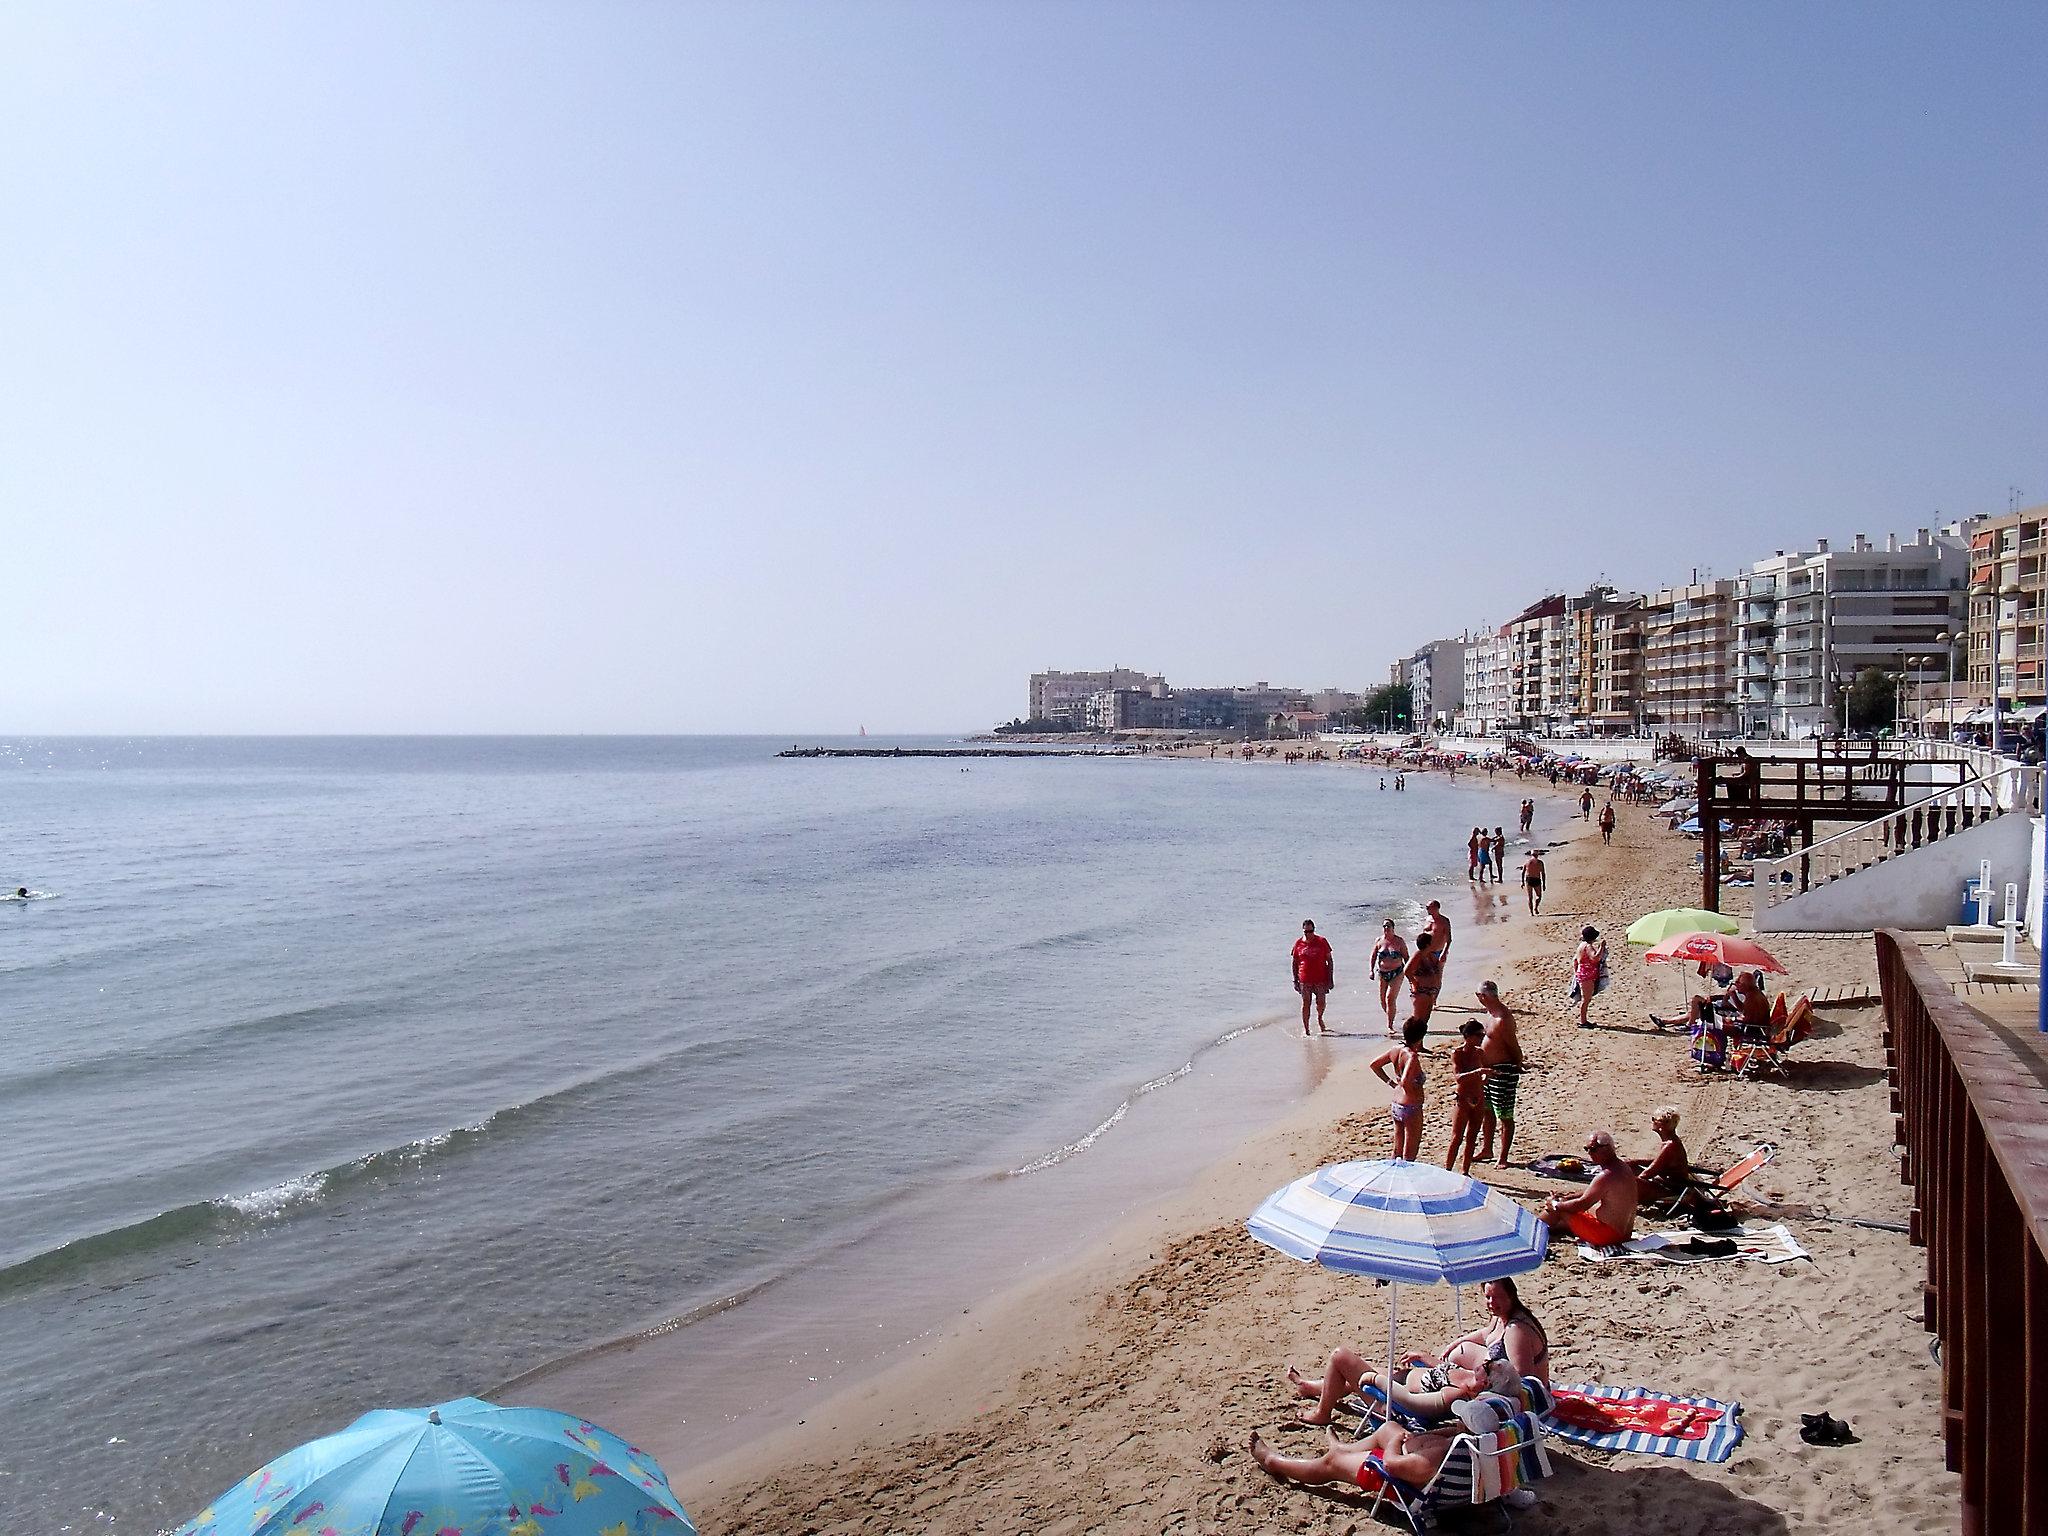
<point>1484,711</point>
<point>1065,695</point>
<point>1436,681</point>
<point>2009,575</point>
<point>1535,663</point>
<point>1603,680</point>
<point>1808,621</point>
<point>1689,658</point>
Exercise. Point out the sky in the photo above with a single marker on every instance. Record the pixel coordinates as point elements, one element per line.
<point>594,367</point>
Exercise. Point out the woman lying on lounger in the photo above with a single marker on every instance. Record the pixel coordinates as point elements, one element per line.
<point>1426,1393</point>
<point>1511,1335</point>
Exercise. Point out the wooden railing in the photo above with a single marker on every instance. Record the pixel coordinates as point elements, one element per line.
<point>1973,1120</point>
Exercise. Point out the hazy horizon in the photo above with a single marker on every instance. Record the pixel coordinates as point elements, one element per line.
<point>521,369</point>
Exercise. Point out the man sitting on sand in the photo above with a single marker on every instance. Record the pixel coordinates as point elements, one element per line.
<point>1412,1455</point>
<point>1606,1213</point>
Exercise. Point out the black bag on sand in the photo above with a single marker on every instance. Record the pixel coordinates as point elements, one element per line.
<point>1715,1220</point>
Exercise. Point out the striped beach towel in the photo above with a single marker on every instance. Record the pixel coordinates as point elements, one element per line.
<point>1652,1423</point>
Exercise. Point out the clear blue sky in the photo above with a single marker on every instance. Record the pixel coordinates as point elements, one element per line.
<point>666,367</point>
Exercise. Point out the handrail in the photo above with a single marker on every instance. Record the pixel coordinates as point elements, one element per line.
<point>1973,1120</point>
<point>1941,814</point>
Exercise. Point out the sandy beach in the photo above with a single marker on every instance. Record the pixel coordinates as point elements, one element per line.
<point>1117,1393</point>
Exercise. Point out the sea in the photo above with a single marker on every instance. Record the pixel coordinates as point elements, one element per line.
<point>341,1073</point>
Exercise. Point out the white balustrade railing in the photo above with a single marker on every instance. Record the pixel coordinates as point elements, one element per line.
<point>2010,788</point>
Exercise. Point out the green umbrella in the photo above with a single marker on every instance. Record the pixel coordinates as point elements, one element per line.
<point>1659,926</point>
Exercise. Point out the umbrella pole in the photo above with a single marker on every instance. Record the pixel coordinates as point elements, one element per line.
<point>1393,1329</point>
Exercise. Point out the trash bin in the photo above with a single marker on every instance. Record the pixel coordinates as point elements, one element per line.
<point>1977,900</point>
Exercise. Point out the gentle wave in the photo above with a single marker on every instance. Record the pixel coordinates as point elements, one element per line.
<point>233,1215</point>
<point>1076,1147</point>
<point>184,1048</point>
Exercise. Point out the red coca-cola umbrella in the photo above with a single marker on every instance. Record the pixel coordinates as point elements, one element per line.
<point>1715,949</point>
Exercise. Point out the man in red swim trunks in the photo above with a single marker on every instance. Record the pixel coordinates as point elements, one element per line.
<point>1606,1212</point>
<point>1315,972</point>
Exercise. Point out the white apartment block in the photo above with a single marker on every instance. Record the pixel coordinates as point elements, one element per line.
<point>1436,681</point>
<point>1065,695</point>
<point>1484,711</point>
<point>1808,621</point>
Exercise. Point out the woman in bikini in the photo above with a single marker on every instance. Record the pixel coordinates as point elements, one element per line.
<point>1468,1111</point>
<point>1389,961</point>
<point>1425,976</point>
<point>1400,1068</point>
<point>1512,1333</point>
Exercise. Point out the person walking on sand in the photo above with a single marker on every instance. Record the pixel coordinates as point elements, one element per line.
<point>1400,1068</point>
<point>1585,805</point>
<point>1607,822</point>
<point>1589,967</point>
<point>1441,927</point>
<point>1468,1110</point>
<point>1528,815</point>
<point>1425,976</point>
<point>1389,963</point>
<point>1532,881</point>
<point>1315,972</point>
<point>1500,856</point>
<point>1502,1050</point>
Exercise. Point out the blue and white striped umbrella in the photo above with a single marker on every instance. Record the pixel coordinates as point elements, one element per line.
<point>1411,1223</point>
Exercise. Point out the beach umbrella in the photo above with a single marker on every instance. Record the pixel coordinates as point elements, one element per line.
<point>1653,927</point>
<point>1714,949</point>
<point>464,1465</point>
<point>1401,1222</point>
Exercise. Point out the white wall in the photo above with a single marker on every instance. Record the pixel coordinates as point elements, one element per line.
<point>1922,889</point>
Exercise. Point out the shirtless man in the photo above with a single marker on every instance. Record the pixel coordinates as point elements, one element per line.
<point>1501,1051</point>
<point>1441,927</point>
<point>1606,1212</point>
<point>1607,822</point>
<point>1413,1455</point>
<point>1533,875</point>
<point>1500,855</point>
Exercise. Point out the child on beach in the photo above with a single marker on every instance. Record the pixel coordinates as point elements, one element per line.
<point>1468,1111</point>
<point>1400,1068</point>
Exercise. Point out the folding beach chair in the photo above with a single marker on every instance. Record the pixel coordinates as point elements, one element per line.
<point>1770,1051</point>
<point>1716,1190</point>
<point>1480,1469</point>
<point>1370,1403</point>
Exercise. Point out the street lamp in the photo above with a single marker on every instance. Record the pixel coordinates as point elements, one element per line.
<point>1947,642</point>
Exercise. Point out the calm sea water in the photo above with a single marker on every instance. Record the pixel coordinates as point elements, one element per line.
<point>345,1073</point>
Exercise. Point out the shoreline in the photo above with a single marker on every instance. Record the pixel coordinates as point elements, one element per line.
<point>1115,1391</point>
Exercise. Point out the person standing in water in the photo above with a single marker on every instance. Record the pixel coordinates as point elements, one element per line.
<point>1485,854</point>
<point>1500,855</point>
<point>1315,972</point>
<point>1390,963</point>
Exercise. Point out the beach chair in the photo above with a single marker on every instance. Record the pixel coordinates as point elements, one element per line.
<point>1715,1190</point>
<point>1480,1469</point>
<point>1771,1051</point>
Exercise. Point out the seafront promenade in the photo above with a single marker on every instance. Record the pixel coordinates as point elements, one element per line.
<point>1118,1394</point>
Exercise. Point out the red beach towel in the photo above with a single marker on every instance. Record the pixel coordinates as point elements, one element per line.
<point>1635,1415</point>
